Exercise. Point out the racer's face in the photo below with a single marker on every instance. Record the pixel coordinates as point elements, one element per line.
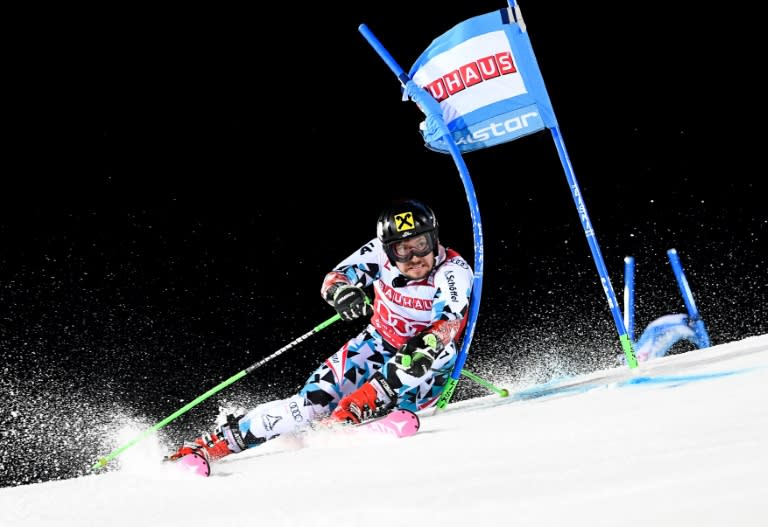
<point>414,259</point>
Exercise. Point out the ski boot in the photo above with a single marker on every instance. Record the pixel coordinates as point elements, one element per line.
<point>225,441</point>
<point>373,399</point>
<point>210,446</point>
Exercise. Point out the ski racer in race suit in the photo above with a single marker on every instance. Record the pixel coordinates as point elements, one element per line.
<point>404,356</point>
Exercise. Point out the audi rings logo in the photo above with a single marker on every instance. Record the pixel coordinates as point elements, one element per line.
<point>295,411</point>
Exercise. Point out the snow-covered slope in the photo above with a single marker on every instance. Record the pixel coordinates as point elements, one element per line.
<point>680,441</point>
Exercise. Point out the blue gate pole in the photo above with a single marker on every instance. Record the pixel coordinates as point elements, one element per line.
<point>433,113</point>
<point>629,296</point>
<point>589,232</point>
<point>690,305</point>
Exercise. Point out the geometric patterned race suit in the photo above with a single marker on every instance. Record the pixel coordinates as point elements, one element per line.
<point>402,309</point>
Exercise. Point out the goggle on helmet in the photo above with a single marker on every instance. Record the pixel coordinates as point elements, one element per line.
<point>408,220</point>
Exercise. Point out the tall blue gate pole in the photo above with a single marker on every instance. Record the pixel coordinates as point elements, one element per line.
<point>629,296</point>
<point>589,232</point>
<point>433,113</point>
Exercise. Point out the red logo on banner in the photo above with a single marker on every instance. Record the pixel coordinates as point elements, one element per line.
<point>472,73</point>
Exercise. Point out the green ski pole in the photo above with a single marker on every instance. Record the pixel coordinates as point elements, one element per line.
<point>503,392</point>
<point>106,459</point>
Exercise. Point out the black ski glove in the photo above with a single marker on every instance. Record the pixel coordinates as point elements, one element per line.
<point>416,356</point>
<point>349,301</point>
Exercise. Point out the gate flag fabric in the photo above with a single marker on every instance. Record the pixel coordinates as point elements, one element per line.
<point>485,77</point>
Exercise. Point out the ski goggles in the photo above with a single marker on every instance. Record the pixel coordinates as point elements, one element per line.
<point>403,250</point>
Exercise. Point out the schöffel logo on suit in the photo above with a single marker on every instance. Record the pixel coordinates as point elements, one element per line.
<point>472,73</point>
<point>452,286</point>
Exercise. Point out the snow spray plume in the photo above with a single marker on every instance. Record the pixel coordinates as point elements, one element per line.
<point>105,459</point>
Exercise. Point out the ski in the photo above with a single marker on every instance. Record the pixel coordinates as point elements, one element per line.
<point>397,424</point>
<point>195,464</point>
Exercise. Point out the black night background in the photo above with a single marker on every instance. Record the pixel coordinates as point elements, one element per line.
<point>177,184</point>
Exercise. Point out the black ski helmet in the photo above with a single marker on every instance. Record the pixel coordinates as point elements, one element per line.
<point>405,219</point>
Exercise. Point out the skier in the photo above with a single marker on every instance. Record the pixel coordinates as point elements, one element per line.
<point>404,356</point>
